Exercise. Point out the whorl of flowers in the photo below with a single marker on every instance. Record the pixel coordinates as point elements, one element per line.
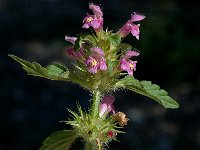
<point>104,51</point>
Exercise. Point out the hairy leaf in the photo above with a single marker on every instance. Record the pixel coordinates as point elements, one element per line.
<point>59,140</point>
<point>53,72</point>
<point>85,40</point>
<point>148,89</point>
<point>124,48</point>
<point>115,39</point>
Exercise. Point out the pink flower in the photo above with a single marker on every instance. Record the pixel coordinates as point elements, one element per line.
<point>70,39</point>
<point>137,17</point>
<point>106,105</point>
<point>92,21</point>
<point>130,27</point>
<point>95,21</point>
<point>96,61</point>
<point>96,10</point>
<point>128,65</point>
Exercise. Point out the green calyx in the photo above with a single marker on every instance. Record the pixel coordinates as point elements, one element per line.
<point>94,130</point>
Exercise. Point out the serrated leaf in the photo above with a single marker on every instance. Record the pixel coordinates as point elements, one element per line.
<point>59,140</point>
<point>53,72</point>
<point>148,89</point>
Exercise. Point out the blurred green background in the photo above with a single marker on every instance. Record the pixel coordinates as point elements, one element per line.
<point>31,108</point>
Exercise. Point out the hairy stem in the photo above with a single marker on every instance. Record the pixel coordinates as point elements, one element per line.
<point>90,146</point>
<point>95,103</point>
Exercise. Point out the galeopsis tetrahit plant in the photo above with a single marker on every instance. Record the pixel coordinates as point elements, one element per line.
<point>103,64</point>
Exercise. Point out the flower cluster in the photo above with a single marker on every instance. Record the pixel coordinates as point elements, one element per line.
<point>97,57</point>
<point>103,57</point>
<point>96,20</point>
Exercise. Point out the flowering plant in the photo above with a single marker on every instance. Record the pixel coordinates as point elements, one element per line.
<point>103,64</point>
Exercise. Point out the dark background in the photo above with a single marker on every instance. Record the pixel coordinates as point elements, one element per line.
<point>31,108</point>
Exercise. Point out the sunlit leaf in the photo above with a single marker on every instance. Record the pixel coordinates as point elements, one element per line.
<point>148,89</point>
<point>53,72</point>
<point>59,140</point>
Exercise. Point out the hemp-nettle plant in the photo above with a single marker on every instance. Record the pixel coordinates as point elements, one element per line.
<point>103,64</point>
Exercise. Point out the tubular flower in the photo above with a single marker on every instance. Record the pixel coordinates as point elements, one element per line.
<point>130,27</point>
<point>96,61</point>
<point>127,64</point>
<point>70,39</point>
<point>95,21</point>
<point>92,21</point>
<point>106,105</point>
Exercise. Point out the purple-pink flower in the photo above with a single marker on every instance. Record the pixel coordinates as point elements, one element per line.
<point>96,61</point>
<point>130,27</point>
<point>92,21</point>
<point>128,65</point>
<point>95,21</point>
<point>70,39</point>
<point>106,105</point>
<point>96,10</point>
<point>76,54</point>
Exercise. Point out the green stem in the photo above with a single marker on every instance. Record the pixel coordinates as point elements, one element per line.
<point>90,146</point>
<point>95,103</point>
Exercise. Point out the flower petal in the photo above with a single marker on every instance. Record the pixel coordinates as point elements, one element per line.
<point>123,64</point>
<point>106,105</point>
<point>103,108</point>
<point>92,65</point>
<point>135,30</point>
<point>70,39</point>
<point>102,65</point>
<point>96,23</point>
<point>96,10</point>
<point>108,99</point>
<point>137,17</point>
<point>97,50</point>
<point>130,54</point>
<point>126,29</point>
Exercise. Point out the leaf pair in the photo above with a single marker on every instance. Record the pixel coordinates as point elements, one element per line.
<point>60,72</point>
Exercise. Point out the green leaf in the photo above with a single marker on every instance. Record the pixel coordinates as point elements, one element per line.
<point>59,140</point>
<point>125,47</point>
<point>148,89</point>
<point>53,72</point>
<point>85,40</point>
<point>112,64</point>
<point>115,39</point>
